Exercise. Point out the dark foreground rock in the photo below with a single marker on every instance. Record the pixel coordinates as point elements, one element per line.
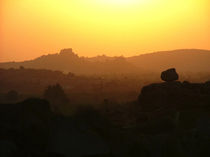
<point>175,95</point>
<point>177,119</point>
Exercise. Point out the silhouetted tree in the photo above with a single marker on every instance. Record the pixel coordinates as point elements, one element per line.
<point>70,74</point>
<point>12,95</point>
<point>22,67</point>
<point>56,95</point>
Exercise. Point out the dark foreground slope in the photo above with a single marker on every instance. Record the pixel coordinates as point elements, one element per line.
<point>175,96</point>
<point>31,129</point>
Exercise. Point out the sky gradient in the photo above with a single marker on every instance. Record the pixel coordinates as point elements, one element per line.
<point>30,28</point>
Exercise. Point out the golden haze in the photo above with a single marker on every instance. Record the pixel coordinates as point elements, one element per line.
<point>30,28</point>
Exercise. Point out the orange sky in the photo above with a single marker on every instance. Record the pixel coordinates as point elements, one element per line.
<point>30,28</point>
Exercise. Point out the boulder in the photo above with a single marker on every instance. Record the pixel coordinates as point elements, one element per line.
<point>169,75</point>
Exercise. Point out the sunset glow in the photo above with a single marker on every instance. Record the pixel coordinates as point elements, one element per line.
<point>122,2</point>
<point>30,28</point>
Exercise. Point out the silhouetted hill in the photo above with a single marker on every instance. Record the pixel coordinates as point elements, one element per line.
<point>68,61</point>
<point>186,60</point>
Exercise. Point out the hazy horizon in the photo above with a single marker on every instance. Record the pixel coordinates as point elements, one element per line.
<point>100,55</point>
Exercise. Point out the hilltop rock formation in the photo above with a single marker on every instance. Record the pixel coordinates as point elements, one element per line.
<point>169,75</point>
<point>66,51</point>
<point>176,107</point>
<point>172,104</point>
<point>175,95</point>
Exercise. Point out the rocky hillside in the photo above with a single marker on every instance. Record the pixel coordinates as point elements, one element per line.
<point>187,60</point>
<point>68,61</point>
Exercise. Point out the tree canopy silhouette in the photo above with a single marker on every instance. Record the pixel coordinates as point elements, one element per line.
<point>56,95</point>
<point>12,95</point>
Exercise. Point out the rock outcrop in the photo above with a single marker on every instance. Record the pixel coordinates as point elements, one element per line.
<point>176,107</point>
<point>169,105</point>
<point>169,75</point>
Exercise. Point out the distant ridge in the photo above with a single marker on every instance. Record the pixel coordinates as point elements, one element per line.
<point>68,61</point>
<point>184,60</point>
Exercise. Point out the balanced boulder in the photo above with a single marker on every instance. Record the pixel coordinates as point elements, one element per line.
<point>169,75</point>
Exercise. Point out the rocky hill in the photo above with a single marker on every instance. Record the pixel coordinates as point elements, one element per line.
<point>68,61</point>
<point>186,60</point>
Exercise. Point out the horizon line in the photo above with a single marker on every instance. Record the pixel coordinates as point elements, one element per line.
<point>146,53</point>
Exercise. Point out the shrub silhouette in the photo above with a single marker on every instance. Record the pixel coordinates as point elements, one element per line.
<point>12,95</point>
<point>56,96</point>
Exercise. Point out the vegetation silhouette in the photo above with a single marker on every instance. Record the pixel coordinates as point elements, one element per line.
<point>12,96</point>
<point>56,96</point>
